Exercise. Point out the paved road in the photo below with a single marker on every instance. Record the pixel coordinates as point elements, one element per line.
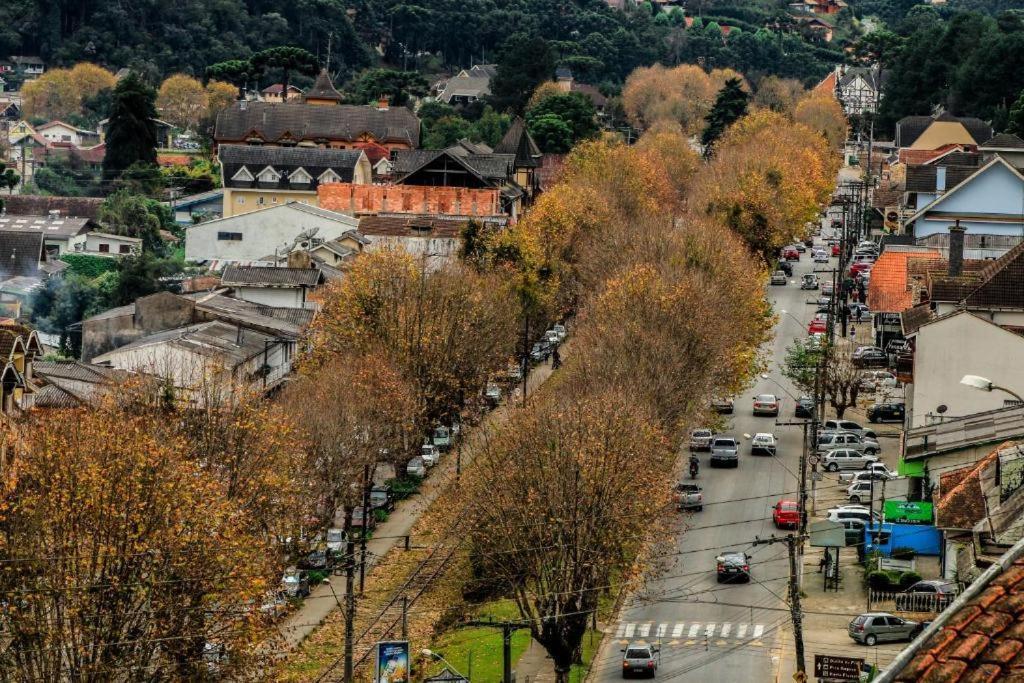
<point>727,632</point>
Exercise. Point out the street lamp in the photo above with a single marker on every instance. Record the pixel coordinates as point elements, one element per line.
<point>427,652</point>
<point>986,385</point>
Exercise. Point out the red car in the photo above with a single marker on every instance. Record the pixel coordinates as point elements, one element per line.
<point>859,267</point>
<point>835,250</point>
<point>817,326</point>
<point>786,514</point>
<point>791,254</point>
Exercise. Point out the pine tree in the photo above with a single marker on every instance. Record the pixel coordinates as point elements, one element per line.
<point>131,130</point>
<point>730,105</point>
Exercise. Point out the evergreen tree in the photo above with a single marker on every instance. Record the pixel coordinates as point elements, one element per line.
<point>525,63</point>
<point>1015,123</point>
<point>289,60</point>
<point>131,130</point>
<point>730,105</point>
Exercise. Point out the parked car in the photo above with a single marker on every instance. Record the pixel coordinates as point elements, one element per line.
<point>853,530</point>
<point>416,467</point>
<point>766,404</point>
<point>886,412</point>
<point>845,512</point>
<point>804,407</point>
<point>827,289</point>
<point>835,249</point>
<point>552,337</point>
<point>820,256</point>
<point>382,498</point>
<point>809,281</point>
<point>859,312</point>
<point>869,357</point>
<point>540,352</point>
<point>442,438</point>
<point>847,426</point>
<point>829,441</point>
<point>357,518</point>
<point>560,329</point>
<point>786,514</point>
<point>859,267</point>
<point>724,452</point>
<point>861,490</point>
<point>429,454</point>
<point>819,325</point>
<point>493,393</point>
<point>733,566</point>
<point>700,439</point>
<point>778,278</point>
<point>879,627</point>
<point>867,244</point>
<point>688,497</point>
<point>640,659</point>
<point>318,560</point>
<point>722,405</point>
<point>800,246</point>
<point>876,470</point>
<point>763,443</point>
<point>872,380</point>
<point>897,347</point>
<point>295,583</point>
<point>336,540</point>
<point>846,459</point>
<point>790,254</point>
<point>933,595</point>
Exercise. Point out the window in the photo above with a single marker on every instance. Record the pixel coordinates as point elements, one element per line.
<point>240,200</point>
<point>104,248</point>
<point>274,200</point>
<point>260,200</point>
<point>229,236</point>
<point>124,249</point>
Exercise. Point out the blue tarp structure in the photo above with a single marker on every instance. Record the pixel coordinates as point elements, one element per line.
<point>925,540</point>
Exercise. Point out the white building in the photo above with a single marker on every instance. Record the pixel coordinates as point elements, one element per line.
<point>272,286</point>
<point>257,236</point>
<point>64,133</point>
<point>104,244</point>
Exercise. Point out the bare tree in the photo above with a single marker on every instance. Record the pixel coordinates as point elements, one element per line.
<point>841,378</point>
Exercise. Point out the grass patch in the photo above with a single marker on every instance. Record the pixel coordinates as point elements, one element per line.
<point>591,641</point>
<point>480,645</point>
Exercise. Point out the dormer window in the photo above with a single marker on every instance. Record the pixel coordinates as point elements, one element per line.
<point>269,175</point>
<point>243,175</point>
<point>300,177</point>
<point>329,176</point>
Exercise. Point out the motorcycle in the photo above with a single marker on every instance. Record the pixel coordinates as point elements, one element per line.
<point>694,466</point>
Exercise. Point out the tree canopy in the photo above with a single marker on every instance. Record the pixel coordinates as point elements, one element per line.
<point>131,130</point>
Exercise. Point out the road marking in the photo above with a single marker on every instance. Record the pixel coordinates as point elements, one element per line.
<point>644,630</point>
<point>677,631</point>
<point>709,630</point>
<point>742,631</point>
<point>622,630</point>
<point>725,630</point>
<point>630,628</point>
<point>660,633</point>
<point>758,630</point>
<point>693,630</point>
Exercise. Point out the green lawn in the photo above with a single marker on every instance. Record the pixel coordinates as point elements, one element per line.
<point>475,652</point>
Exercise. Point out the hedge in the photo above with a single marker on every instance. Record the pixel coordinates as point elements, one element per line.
<point>88,265</point>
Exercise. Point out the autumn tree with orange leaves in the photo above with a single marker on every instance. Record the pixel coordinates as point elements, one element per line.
<point>681,95</point>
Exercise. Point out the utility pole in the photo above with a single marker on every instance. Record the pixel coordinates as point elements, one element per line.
<point>802,483</point>
<point>867,534</point>
<point>366,521</point>
<point>350,604</point>
<point>507,629</point>
<point>796,614</point>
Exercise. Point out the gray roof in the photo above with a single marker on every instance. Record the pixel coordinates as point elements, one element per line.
<point>198,198</point>
<point>466,86</point>
<point>922,178</point>
<point>212,339</point>
<point>269,319</point>
<point>483,70</point>
<point>20,253</point>
<point>55,227</point>
<point>874,77</point>
<point>269,276</point>
<point>493,169</point>
<point>989,427</point>
<point>910,128</point>
<point>1003,141</point>
<point>318,123</point>
<point>323,89</point>
<point>286,160</point>
<point>39,205</point>
<point>72,369</point>
<point>519,142</point>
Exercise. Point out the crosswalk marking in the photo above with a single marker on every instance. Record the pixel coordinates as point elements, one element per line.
<point>691,630</point>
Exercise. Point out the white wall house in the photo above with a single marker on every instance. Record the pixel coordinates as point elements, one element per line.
<point>104,244</point>
<point>65,133</point>
<point>257,235</point>
<point>280,287</point>
<point>955,345</point>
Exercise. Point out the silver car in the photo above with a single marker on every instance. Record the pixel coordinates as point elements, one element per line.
<point>700,439</point>
<point>832,440</point>
<point>725,452</point>
<point>640,659</point>
<point>847,459</point>
<point>877,627</point>
<point>848,426</point>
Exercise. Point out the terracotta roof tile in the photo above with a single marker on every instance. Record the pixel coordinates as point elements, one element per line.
<point>888,291</point>
<point>989,623</point>
<point>1003,652</point>
<point>945,672</point>
<point>983,674</point>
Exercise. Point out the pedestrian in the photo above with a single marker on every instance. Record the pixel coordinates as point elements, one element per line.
<point>823,563</point>
<point>556,360</point>
<point>853,332</point>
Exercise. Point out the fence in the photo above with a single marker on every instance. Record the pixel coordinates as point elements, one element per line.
<point>899,601</point>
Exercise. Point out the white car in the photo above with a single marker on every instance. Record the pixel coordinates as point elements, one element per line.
<point>560,329</point>
<point>763,443</point>
<point>821,256</point>
<point>416,468</point>
<point>700,439</point>
<point>863,490</point>
<point>876,471</point>
<point>335,539</point>
<point>493,393</point>
<point>858,512</point>
<point>429,454</point>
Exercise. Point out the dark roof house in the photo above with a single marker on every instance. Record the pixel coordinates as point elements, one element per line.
<point>322,91</point>
<point>290,168</point>
<point>518,142</point>
<point>269,276</point>
<point>910,128</point>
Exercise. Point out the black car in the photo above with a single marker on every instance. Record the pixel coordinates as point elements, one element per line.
<point>804,407</point>
<point>886,412</point>
<point>733,566</point>
<point>870,357</point>
<point>786,267</point>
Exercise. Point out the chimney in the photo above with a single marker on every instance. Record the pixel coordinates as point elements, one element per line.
<point>382,103</point>
<point>956,249</point>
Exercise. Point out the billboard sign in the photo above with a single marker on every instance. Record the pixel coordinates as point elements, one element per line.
<point>908,512</point>
<point>392,662</point>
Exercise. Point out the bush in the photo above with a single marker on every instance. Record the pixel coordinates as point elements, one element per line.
<point>403,487</point>
<point>903,553</point>
<point>880,581</point>
<point>908,579</point>
<point>89,266</point>
<point>381,515</point>
<point>316,577</point>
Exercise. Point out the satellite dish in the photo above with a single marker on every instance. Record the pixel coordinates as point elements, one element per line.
<point>941,409</point>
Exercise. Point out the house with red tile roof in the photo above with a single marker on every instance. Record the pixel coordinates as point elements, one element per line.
<point>889,290</point>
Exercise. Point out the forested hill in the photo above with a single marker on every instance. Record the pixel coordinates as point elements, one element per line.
<point>599,43</point>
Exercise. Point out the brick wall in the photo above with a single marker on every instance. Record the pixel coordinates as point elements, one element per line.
<point>460,201</point>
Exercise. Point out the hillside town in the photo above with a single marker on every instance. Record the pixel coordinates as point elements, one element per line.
<point>382,342</point>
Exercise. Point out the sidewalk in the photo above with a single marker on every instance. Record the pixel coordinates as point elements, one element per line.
<point>329,595</point>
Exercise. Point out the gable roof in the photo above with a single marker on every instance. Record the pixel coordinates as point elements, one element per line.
<point>492,169</point>
<point>1003,141</point>
<point>1001,282</point>
<point>518,141</point>
<point>910,128</point>
<point>466,86</point>
<point>323,89</point>
<point>964,183</point>
<point>922,178</point>
<point>58,122</point>
<point>887,290</point>
<point>273,122</point>
<point>268,276</point>
<point>284,160</point>
<point>962,502</point>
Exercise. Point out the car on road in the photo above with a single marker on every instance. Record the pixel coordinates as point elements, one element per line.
<point>336,540</point>
<point>869,357</point>
<point>819,325</point>
<point>842,513</point>
<point>786,267</point>
<point>786,514</point>
<point>357,519</point>
<point>800,246</point>
<point>846,459</point>
<point>820,256</point>
<point>700,439</point>
<point>809,281</point>
<point>442,437</point>
<point>835,249</point>
<point>932,595</point>
<point>493,393</point>
<point>860,267</point>
<point>429,454</point>
<point>688,497</point>
<point>827,289</point>
<point>828,441</point>
<point>722,405</point>
<point>873,380</point>
<point>861,490</point>
<point>763,443</point>
<point>416,468</point>
<point>725,452</point>
<point>804,407</point>
<point>733,566</point>
<point>790,254</point>
<point>880,627</point>
<point>876,470</point>
<point>847,426</point>
<point>560,329</point>
<point>766,404</point>
<point>640,659</point>
<point>552,337</point>
<point>778,278</point>
<point>540,352</point>
<point>886,412</point>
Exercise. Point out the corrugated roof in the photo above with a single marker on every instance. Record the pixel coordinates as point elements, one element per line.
<point>20,253</point>
<point>888,291</point>
<point>412,226</point>
<point>38,205</point>
<point>52,227</point>
<point>212,339</point>
<point>269,276</point>
<point>297,121</point>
